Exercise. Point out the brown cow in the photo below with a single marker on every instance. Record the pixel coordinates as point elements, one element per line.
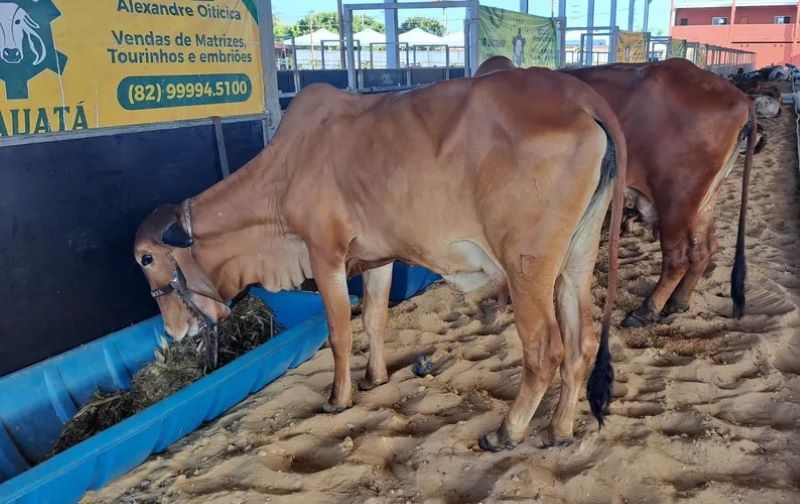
<point>502,179</point>
<point>682,126</point>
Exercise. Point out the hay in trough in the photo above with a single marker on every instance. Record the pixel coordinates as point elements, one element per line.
<point>250,324</point>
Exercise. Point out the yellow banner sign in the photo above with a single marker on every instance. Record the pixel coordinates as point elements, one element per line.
<point>68,65</point>
<point>631,47</point>
<point>701,55</point>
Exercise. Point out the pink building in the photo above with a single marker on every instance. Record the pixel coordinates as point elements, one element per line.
<point>768,28</point>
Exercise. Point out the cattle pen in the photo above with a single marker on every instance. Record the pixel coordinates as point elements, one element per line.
<point>706,408</point>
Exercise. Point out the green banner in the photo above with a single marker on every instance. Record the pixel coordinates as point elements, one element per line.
<point>526,40</point>
<point>676,48</point>
<point>701,55</point>
<point>632,47</point>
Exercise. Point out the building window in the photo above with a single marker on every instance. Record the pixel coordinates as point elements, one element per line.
<point>684,22</point>
<point>783,20</point>
<point>719,20</point>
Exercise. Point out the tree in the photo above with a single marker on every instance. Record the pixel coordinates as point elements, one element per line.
<point>315,21</point>
<point>282,29</point>
<point>427,24</point>
<point>361,22</point>
<point>329,21</point>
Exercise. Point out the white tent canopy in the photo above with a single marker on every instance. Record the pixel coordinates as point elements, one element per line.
<point>314,38</point>
<point>455,39</point>
<point>369,36</point>
<point>418,36</point>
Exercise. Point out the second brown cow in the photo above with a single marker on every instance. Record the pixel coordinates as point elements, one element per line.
<point>683,126</point>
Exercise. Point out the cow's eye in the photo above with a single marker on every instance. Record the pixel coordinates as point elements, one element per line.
<point>147,260</point>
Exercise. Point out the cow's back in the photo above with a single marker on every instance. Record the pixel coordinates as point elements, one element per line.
<point>674,114</point>
<point>404,167</point>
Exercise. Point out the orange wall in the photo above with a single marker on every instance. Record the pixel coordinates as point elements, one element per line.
<point>754,15</point>
<point>771,42</point>
<point>764,15</point>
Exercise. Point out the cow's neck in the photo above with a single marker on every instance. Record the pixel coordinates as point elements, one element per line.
<point>241,236</point>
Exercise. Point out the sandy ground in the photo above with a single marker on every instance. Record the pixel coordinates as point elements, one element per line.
<point>706,409</point>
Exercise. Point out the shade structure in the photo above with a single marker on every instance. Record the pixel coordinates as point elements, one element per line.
<point>455,39</point>
<point>418,36</point>
<point>369,36</point>
<point>313,39</point>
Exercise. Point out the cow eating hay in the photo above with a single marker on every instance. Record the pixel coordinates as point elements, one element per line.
<point>504,179</point>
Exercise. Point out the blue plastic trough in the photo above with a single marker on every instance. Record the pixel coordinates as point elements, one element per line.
<point>407,281</point>
<point>36,402</point>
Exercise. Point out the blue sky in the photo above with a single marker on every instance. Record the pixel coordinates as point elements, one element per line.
<point>292,10</point>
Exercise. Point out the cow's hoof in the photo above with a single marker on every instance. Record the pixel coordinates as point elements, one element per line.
<point>557,443</point>
<point>673,307</point>
<point>639,318</point>
<point>330,407</point>
<point>366,384</point>
<point>497,440</point>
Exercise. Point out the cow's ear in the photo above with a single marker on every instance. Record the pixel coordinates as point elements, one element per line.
<point>176,236</point>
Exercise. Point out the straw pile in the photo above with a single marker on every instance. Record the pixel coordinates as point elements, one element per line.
<point>250,324</point>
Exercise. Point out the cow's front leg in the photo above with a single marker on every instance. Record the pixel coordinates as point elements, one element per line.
<point>331,279</point>
<point>377,284</point>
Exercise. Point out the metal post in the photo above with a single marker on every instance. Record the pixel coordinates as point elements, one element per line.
<point>447,62</point>
<point>589,32</point>
<point>269,69</point>
<point>582,50</point>
<point>222,151</point>
<point>322,49</point>
<point>562,14</point>
<point>352,85</point>
<point>794,29</point>
<point>614,45</point>
<point>467,46</point>
<point>392,40</point>
<point>523,6</point>
<point>472,16</point>
<point>612,21</point>
<point>295,70</point>
<point>646,14</point>
<point>339,14</point>
<point>631,10</point>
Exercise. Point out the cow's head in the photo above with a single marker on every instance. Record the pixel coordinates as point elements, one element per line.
<point>17,26</point>
<point>186,297</point>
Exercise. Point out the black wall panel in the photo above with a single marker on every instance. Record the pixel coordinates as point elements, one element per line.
<point>68,213</point>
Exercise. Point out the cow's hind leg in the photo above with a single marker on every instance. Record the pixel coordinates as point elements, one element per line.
<point>701,247</point>
<point>674,265</point>
<point>532,282</point>
<point>377,284</point>
<point>574,310</point>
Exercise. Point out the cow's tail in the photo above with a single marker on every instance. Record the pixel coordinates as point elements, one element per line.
<point>739,272</point>
<point>598,389</point>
